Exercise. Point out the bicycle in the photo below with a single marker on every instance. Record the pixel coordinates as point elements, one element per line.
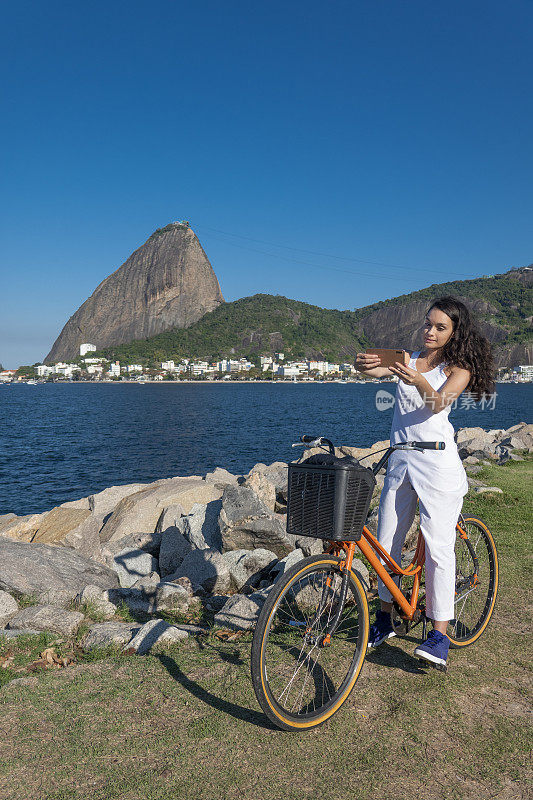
<point>311,635</point>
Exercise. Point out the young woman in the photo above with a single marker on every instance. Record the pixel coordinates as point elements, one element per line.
<point>456,357</point>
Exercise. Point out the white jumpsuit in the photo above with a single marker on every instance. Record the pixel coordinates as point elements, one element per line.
<point>437,478</point>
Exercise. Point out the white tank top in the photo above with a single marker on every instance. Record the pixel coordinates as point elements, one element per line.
<point>414,421</point>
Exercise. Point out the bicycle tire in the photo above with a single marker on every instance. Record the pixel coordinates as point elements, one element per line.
<point>474,605</point>
<point>286,628</point>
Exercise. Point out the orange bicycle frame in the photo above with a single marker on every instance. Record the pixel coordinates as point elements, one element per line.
<point>373,552</point>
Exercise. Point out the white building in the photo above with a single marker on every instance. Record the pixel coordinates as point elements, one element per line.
<point>87,348</point>
<point>114,369</point>
<point>43,371</point>
<point>200,368</point>
<point>525,372</point>
<point>93,360</point>
<point>169,366</point>
<point>288,371</point>
<point>64,369</point>
<point>134,368</point>
<point>95,369</point>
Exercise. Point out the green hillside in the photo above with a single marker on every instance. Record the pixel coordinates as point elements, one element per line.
<point>250,327</point>
<point>269,323</point>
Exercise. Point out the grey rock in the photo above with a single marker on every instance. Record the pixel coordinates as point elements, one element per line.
<point>150,542</point>
<point>5,519</point>
<point>240,612</point>
<point>372,520</point>
<point>243,565</point>
<point>258,482</point>
<point>171,597</point>
<point>240,503</point>
<point>174,546</point>
<point>22,529</point>
<point>8,607</point>
<point>309,546</point>
<point>201,527</point>
<point>488,489</point>
<point>104,502</point>
<point>130,565</point>
<point>362,572</point>
<point>9,634</point>
<point>58,523</point>
<point>105,633</point>
<point>32,568</point>
<point>138,601</point>
<point>221,478</point>
<point>83,502</point>
<point>85,538</point>
<point>246,523</point>
<point>148,582</point>
<point>95,597</point>
<point>473,469</point>
<point>186,583</point>
<point>61,598</point>
<point>140,512</point>
<point>205,568</point>
<point>46,618</point>
<point>289,561</point>
<point>154,633</point>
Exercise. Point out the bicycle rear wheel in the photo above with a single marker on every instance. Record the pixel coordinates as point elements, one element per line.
<point>300,683</point>
<point>476,581</point>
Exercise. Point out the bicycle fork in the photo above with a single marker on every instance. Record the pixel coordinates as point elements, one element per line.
<point>325,638</point>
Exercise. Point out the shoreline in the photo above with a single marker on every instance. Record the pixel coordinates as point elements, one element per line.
<point>222,382</point>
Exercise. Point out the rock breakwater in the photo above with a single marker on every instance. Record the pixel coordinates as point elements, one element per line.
<point>181,546</point>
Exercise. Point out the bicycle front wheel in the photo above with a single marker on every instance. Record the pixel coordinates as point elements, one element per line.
<point>476,582</point>
<point>299,681</point>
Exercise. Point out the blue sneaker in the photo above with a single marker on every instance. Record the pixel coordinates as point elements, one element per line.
<point>434,649</point>
<point>380,630</point>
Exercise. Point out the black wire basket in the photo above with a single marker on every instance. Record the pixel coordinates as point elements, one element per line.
<point>329,497</point>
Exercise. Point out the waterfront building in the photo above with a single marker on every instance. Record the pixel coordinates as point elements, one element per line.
<point>169,366</point>
<point>87,348</point>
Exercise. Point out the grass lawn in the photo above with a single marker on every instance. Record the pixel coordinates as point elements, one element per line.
<point>185,724</point>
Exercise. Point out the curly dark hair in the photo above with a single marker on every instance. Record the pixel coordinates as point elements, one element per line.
<point>467,347</point>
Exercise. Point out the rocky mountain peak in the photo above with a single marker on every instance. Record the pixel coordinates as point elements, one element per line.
<point>168,282</point>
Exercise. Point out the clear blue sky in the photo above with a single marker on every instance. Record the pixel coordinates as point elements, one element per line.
<point>383,131</point>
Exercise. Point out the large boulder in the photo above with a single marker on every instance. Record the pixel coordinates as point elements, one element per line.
<point>85,538</point>
<point>259,483</point>
<point>94,598</point>
<point>174,546</point>
<point>154,633</point>
<point>199,526</point>
<point>21,529</point>
<point>165,596</point>
<point>104,502</point>
<point>247,523</point>
<point>104,634</point>
<point>130,565</point>
<point>205,568</point>
<point>241,611</point>
<point>140,512</point>
<point>57,523</point>
<point>34,568</point>
<point>46,618</point>
<point>8,607</point>
<point>222,478</point>
<point>245,565</point>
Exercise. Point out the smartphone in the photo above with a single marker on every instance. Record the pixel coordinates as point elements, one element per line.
<point>389,357</point>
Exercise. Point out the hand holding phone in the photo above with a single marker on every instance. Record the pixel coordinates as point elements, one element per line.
<point>387,357</point>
